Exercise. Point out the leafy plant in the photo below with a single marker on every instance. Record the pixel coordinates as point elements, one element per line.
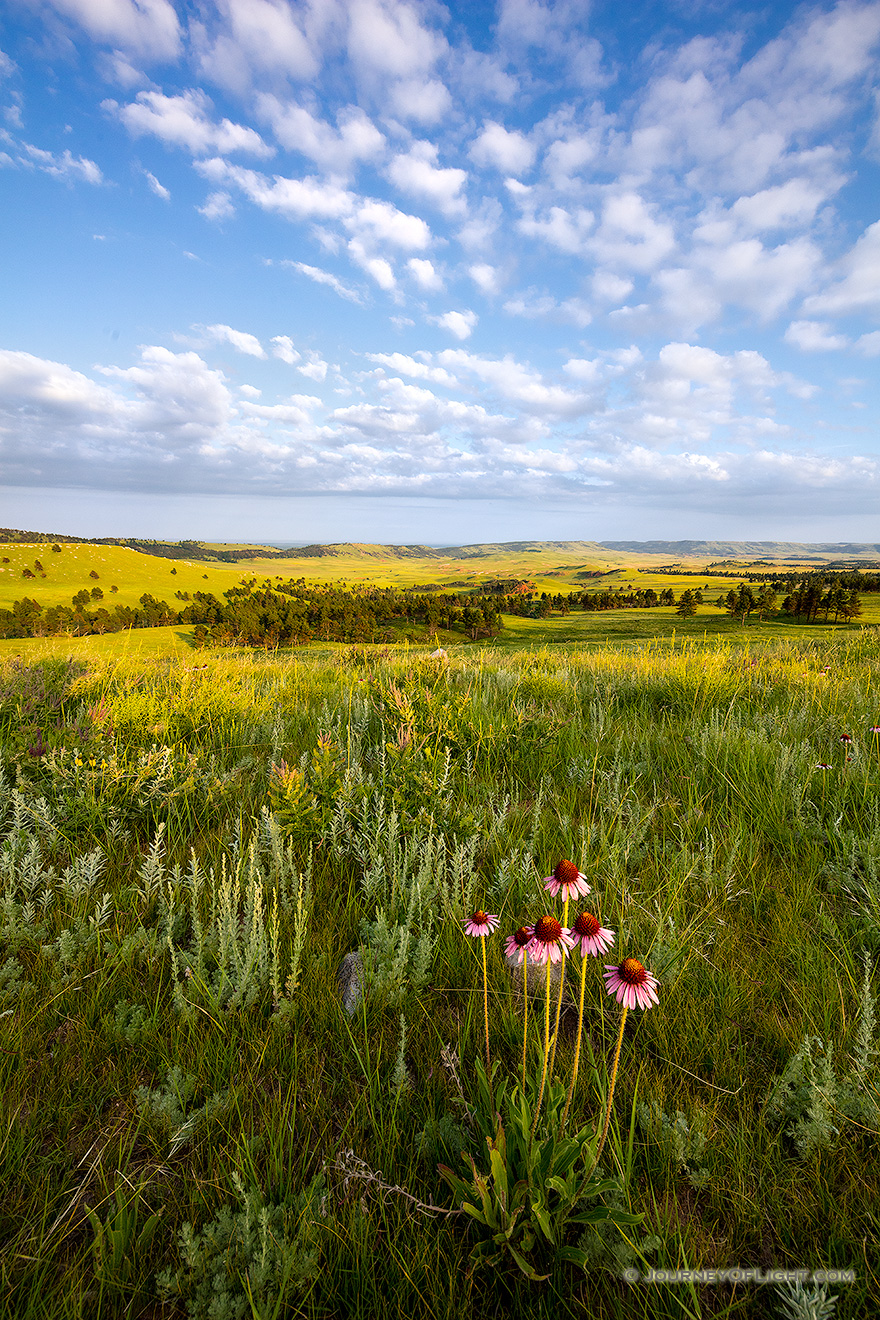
<point>537,1189</point>
<point>120,1241</point>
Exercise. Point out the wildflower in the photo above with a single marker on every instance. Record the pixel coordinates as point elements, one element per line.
<point>549,941</point>
<point>845,738</point>
<point>631,984</point>
<point>567,881</point>
<point>875,728</point>
<point>592,936</point>
<point>39,748</point>
<point>822,765</point>
<point>516,945</point>
<point>479,924</point>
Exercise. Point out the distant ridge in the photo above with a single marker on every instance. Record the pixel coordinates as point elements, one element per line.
<point>746,549</point>
<point>711,550</point>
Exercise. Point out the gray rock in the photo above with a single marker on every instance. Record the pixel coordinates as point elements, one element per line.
<point>351,981</point>
<point>532,976</point>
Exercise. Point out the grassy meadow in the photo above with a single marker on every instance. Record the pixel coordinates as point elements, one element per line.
<point>196,1126</point>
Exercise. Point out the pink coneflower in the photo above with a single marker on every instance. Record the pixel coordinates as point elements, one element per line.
<point>592,936</point>
<point>480,924</point>
<point>822,765</point>
<point>631,984</point>
<point>875,728</point>
<point>567,881</point>
<point>516,945</point>
<point>845,738</point>
<point>550,941</point>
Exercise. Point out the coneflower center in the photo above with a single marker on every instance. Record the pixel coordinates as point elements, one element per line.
<point>522,937</point>
<point>565,872</point>
<point>547,930</point>
<point>480,918</point>
<point>632,971</point>
<point>586,925</point>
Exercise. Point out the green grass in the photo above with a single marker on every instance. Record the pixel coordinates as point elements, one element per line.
<point>674,761</point>
<point>681,779</point>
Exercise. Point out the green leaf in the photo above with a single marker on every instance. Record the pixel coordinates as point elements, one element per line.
<point>543,1219</point>
<point>526,1267</point>
<point>574,1256</point>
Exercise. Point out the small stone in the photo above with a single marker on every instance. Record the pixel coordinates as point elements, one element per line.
<point>351,981</point>
<point>532,976</point>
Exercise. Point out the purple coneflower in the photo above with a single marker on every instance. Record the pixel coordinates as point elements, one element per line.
<point>634,987</point>
<point>479,924</point>
<point>517,947</point>
<point>567,881</point>
<point>517,944</point>
<point>822,765</point>
<point>593,939</point>
<point>631,984</point>
<point>550,941</point>
<point>875,728</point>
<point>845,738</point>
<point>591,935</point>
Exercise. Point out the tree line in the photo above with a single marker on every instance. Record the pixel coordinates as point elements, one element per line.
<point>286,614</point>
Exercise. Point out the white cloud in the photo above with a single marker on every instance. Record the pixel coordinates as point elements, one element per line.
<point>65,166</point>
<point>503,149</point>
<point>859,290</point>
<point>217,206</point>
<point>252,39</point>
<point>380,222</point>
<point>185,121</point>
<point>426,102</point>
<point>485,277</point>
<point>425,274</point>
<point>249,391</point>
<point>517,383</point>
<point>336,150</point>
<point>325,277</point>
<point>158,188</point>
<point>630,235</point>
<point>314,367</point>
<point>416,172</point>
<point>282,347</point>
<point>149,28</point>
<point>409,366</point>
<point>378,268</point>
<point>386,37</point>
<point>239,339</point>
<point>560,228</point>
<point>297,199</point>
<point>869,344</point>
<point>813,336</point>
<point>538,306</point>
<point>460,324</point>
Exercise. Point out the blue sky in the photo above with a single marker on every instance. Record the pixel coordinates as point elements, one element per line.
<point>375,270</point>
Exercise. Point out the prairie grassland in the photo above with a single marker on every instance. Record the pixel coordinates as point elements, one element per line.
<point>133,573</point>
<point>192,842</point>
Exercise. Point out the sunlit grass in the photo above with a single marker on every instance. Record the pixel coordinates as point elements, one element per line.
<point>682,780</point>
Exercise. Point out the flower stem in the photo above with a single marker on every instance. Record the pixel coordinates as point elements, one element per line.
<point>559,1000</point>
<point>605,1127</point>
<point>526,1012</point>
<point>546,1051</point>
<point>577,1048</point>
<point>486,1005</point>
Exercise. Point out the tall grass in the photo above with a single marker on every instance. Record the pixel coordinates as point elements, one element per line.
<point>184,866</point>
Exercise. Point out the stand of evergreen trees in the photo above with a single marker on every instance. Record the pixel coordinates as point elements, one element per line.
<point>284,614</point>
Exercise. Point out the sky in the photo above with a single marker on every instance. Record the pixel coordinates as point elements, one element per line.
<point>399,271</point>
